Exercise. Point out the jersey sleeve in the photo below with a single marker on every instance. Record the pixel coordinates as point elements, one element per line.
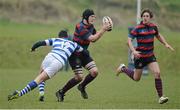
<point>157,30</point>
<point>78,48</point>
<point>130,36</point>
<point>133,33</point>
<point>49,41</point>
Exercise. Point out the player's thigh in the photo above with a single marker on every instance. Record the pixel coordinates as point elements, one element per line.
<point>88,62</point>
<point>46,61</point>
<point>154,68</point>
<point>51,65</point>
<point>41,69</point>
<point>75,63</point>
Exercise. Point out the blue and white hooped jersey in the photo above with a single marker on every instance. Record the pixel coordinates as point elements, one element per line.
<point>62,48</point>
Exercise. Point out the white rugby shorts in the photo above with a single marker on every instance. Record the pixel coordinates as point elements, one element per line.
<point>51,65</point>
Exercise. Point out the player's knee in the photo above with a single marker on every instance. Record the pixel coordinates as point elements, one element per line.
<point>137,79</point>
<point>79,77</point>
<point>157,74</point>
<point>94,73</point>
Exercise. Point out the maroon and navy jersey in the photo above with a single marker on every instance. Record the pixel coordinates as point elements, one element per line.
<point>144,34</point>
<point>82,33</point>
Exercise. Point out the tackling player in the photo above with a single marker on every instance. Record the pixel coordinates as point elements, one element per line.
<point>52,63</point>
<point>62,34</point>
<point>143,54</point>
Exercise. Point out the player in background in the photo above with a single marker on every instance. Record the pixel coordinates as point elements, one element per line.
<point>52,63</point>
<point>62,34</point>
<point>143,54</point>
<point>84,34</point>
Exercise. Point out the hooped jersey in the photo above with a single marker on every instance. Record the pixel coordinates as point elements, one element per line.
<point>82,33</point>
<point>144,34</point>
<point>62,48</point>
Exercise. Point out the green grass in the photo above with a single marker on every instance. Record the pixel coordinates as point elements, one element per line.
<point>107,91</point>
<point>18,66</point>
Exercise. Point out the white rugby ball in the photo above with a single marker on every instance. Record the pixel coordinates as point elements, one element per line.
<point>107,19</point>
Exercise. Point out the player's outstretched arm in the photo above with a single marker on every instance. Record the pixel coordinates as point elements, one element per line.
<point>104,28</point>
<point>38,44</point>
<point>163,41</point>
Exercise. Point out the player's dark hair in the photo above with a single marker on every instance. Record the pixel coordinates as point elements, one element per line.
<point>63,34</point>
<point>147,11</point>
<point>87,13</point>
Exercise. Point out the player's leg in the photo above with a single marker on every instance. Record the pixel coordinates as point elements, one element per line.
<point>49,71</point>
<point>41,88</point>
<point>41,91</point>
<point>154,68</point>
<point>46,62</point>
<point>137,74</point>
<point>30,86</point>
<point>91,67</point>
<point>51,66</point>
<point>133,74</point>
<point>75,64</point>
<point>70,84</point>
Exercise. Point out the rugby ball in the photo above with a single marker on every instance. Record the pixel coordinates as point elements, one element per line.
<point>107,19</point>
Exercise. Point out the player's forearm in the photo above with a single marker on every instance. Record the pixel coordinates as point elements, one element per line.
<point>162,39</point>
<point>38,44</point>
<point>130,45</point>
<point>98,35</point>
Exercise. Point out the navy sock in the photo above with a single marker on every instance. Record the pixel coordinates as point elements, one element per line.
<point>71,83</point>
<point>87,80</point>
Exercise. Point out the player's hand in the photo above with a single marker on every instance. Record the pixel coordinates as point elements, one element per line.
<point>106,26</point>
<point>169,47</point>
<point>32,50</point>
<point>136,54</point>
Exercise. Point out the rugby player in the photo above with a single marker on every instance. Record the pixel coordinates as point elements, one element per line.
<point>84,34</point>
<point>145,33</point>
<point>52,63</point>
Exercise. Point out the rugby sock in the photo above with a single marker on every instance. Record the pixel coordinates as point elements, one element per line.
<point>158,85</point>
<point>87,80</point>
<point>28,88</point>
<point>128,72</point>
<point>41,88</point>
<point>71,83</point>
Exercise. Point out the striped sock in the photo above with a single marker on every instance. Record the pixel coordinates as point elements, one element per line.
<point>158,85</point>
<point>128,72</point>
<point>41,88</point>
<point>28,88</point>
